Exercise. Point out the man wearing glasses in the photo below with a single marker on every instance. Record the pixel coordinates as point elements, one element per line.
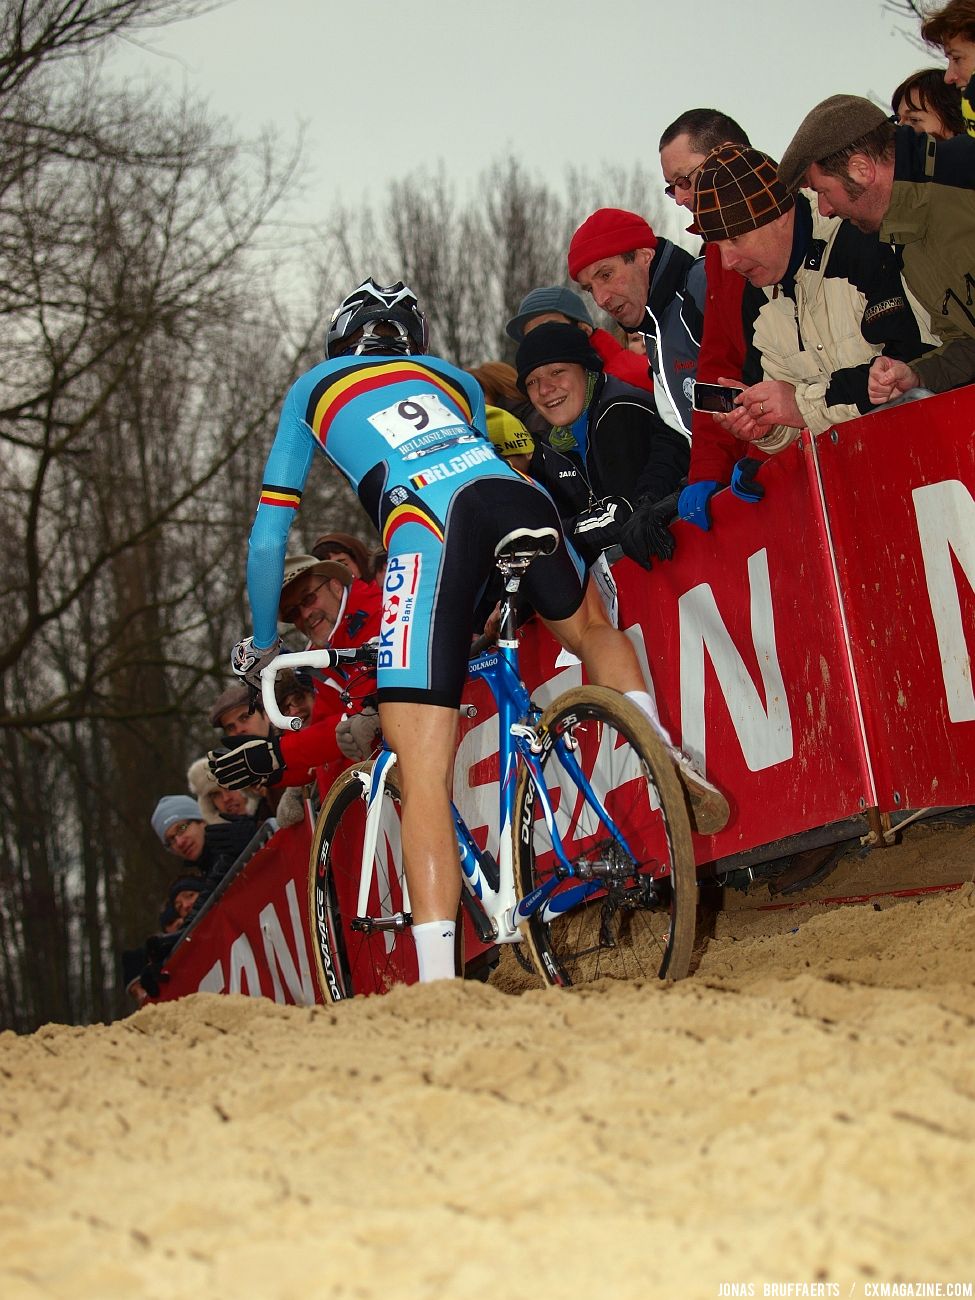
<point>684,146</point>
<point>329,607</point>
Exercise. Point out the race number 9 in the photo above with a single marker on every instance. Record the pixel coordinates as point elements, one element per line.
<point>414,413</point>
<point>424,413</point>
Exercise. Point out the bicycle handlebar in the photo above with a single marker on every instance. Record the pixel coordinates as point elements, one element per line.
<point>364,654</point>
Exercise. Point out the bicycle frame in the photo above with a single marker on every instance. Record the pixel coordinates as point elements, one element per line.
<point>493,906</point>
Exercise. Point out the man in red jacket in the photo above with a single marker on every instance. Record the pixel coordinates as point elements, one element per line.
<point>331,608</point>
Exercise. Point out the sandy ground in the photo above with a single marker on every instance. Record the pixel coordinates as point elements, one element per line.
<point>800,1111</point>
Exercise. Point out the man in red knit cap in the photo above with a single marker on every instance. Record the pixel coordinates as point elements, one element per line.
<point>649,286</point>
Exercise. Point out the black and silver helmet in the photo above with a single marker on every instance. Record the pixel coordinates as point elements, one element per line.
<point>367,306</point>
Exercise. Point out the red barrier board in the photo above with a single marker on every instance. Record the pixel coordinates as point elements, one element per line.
<point>254,939</point>
<point>741,638</point>
<point>900,493</point>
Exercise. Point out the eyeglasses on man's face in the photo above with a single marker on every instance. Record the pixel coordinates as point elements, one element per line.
<point>294,612</point>
<point>683,182</point>
<point>174,832</point>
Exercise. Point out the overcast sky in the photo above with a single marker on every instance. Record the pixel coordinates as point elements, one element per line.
<point>385,86</point>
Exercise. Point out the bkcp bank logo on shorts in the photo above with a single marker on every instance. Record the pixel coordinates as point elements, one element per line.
<point>399,598</point>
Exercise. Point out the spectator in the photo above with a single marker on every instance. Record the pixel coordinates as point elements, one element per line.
<point>330,608</point>
<point>169,919</point>
<point>555,303</point>
<point>928,105</point>
<point>234,714</point>
<point>823,300</point>
<point>178,822</point>
<point>953,28</point>
<point>295,694</point>
<point>606,448</point>
<point>683,146</point>
<point>183,893</point>
<point>344,549</point>
<point>215,802</point>
<point>380,558</point>
<point>511,439</point>
<point>499,383</point>
<point>650,285</point>
<point>134,962</point>
<point>634,343</point>
<point>241,719</point>
<point>915,193</point>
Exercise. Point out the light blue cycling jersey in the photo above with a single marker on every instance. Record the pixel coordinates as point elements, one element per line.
<point>406,431</point>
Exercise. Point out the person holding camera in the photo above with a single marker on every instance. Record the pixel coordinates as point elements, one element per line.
<point>821,301</point>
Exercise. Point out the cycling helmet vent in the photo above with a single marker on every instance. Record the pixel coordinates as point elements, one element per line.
<point>353,328</point>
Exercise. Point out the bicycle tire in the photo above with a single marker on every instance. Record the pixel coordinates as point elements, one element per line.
<point>639,922</point>
<point>348,961</point>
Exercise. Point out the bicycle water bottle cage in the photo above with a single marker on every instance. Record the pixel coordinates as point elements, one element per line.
<point>515,552</point>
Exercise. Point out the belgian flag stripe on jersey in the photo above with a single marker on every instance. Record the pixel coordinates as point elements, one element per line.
<point>280,496</point>
<point>410,513</point>
<point>339,389</point>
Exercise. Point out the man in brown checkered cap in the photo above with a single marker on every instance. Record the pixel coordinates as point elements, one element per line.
<point>822,300</point>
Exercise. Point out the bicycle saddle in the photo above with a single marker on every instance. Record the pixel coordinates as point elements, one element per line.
<point>525,543</point>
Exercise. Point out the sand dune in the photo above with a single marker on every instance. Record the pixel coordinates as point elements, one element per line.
<point>801,1111</point>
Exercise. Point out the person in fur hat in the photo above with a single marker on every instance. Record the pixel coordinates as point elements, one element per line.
<point>215,802</point>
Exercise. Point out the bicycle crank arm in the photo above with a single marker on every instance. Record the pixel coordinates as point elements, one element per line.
<point>398,922</point>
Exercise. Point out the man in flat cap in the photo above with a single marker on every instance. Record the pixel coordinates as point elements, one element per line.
<point>916,193</point>
<point>648,285</point>
<point>822,300</point>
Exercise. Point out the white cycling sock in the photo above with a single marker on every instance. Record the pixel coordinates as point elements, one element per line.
<point>435,950</point>
<point>644,700</point>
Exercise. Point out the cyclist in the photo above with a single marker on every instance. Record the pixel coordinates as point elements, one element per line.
<point>407,430</point>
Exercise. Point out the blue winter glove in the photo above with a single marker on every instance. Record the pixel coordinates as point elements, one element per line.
<point>694,503</point>
<point>743,482</point>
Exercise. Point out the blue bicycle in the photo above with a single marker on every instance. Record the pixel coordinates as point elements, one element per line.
<point>593,870</point>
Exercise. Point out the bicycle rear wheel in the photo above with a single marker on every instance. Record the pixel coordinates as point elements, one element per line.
<point>351,956</point>
<point>628,909</point>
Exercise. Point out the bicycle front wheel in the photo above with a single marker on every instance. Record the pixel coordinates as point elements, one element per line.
<point>369,953</point>
<point>627,907</point>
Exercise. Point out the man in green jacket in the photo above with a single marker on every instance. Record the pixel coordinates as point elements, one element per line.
<point>917,194</point>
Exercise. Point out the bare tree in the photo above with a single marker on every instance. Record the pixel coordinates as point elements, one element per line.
<point>145,358</point>
<point>471,261</point>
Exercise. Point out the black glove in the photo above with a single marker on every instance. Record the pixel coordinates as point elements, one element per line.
<point>645,533</point>
<point>600,525</point>
<point>743,483</point>
<point>255,762</point>
<point>151,977</point>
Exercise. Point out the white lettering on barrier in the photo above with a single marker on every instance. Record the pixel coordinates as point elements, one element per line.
<point>278,954</point>
<point>242,963</point>
<point>212,981</point>
<point>946,526</point>
<point>764,731</point>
